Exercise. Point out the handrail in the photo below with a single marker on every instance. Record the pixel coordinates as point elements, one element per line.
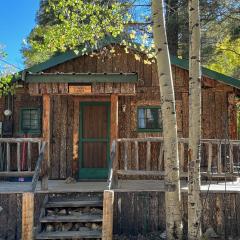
<point>215,160</point>
<point>182,140</point>
<point>38,167</point>
<point>20,140</point>
<point>111,164</point>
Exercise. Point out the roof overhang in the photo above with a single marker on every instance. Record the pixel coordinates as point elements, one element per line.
<point>81,77</point>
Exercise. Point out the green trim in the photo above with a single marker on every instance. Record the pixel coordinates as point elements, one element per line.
<point>93,173</point>
<point>148,129</point>
<point>70,55</point>
<point>82,78</point>
<point>31,131</point>
<point>184,63</point>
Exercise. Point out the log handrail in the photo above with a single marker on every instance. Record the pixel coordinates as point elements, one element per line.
<point>8,142</point>
<point>38,167</point>
<point>113,153</point>
<point>20,140</point>
<point>216,162</point>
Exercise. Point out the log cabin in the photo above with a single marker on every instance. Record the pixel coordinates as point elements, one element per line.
<point>97,116</point>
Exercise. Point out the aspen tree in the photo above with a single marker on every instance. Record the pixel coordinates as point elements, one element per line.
<point>194,151</point>
<point>172,178</point>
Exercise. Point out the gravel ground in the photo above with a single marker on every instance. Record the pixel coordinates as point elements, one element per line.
<point>150,236</point>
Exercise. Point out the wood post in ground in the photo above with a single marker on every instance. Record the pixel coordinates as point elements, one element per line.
<point>27,215</point>
<point>46,137</point>
<point>107,228</point>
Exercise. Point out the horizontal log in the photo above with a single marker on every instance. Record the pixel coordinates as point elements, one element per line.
<point>181,140</point>
<point>17,174</point>
<point>140,172</point>
<point>20,140</point>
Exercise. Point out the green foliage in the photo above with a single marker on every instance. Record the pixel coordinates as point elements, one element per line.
<point>227,57</point>
<point>80,22</point>
<point>6,85</point>
<point>6,77</point>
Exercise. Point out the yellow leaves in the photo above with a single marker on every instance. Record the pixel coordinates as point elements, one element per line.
<point>132,34</point>
<point>137,57</point>
<point>147,62</point>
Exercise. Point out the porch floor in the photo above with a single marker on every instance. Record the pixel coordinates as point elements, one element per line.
<point>59,186</point>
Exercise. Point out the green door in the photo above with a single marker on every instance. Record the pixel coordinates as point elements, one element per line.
<point>94,142</point>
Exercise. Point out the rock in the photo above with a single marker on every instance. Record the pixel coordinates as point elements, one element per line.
<point>50,212</point>
<point>62,212</point>
<point>86,210</point>
<point>88,225</point>
<point>96,210</point>
<point>58,226</point>
<point>163,235</point>
<point>1,209</point>
<point>70,180</point>
<point>95,226</point>
<point>67,226</point>
<point>49,228</point>
<point>210,233</point>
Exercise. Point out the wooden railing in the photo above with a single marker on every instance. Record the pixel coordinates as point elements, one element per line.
<point>145,157</point>
<point>38,167</point>
<point>18,156</point>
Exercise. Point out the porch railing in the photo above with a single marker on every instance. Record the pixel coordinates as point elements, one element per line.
<point>145,157</point>
<point>18,156</point>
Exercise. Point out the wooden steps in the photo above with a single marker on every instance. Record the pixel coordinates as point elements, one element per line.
<point>92,203</point>
<point>81,218</point>
<point>72,218</point>
<point>70,235</point>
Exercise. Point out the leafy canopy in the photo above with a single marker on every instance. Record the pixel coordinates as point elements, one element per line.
<point>80,22</point>
<point>6,77</point>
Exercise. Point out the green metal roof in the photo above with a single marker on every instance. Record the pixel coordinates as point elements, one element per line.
<point>81,77</point>
<point>182,63</point>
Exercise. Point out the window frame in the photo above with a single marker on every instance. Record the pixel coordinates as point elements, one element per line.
<point>31,131</point>
<point>147,129</point>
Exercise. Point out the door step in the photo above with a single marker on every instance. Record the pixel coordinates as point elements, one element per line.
<point>66,217</point>
<point>90,203</point>
<point>70,235</point>
<point>81,218</point>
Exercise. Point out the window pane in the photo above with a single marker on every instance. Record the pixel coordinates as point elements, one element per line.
<point>149,118</point>
<point>30,120</point>
<point>141,118</point>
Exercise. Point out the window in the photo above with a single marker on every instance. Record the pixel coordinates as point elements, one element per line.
<point>149,119</point>
<point>30,120</point>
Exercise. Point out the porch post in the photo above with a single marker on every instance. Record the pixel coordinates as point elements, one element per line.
<point>114,117</point>
<point>46,137</point>
<point>114,136</point>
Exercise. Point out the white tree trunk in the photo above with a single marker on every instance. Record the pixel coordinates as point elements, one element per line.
<point>194,151</point>
<point>172,179</point>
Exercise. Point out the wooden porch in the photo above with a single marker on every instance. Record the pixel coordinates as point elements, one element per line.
<point>140,160</point>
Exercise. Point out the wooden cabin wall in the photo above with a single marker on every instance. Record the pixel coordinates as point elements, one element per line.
<point>143,212</point>
<point>218,107</point>
<point>10,216</point>
<point>61,147</point>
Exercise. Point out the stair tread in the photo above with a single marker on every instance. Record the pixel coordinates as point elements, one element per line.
<point>85,203</point>
<point>69,234</point>
<point>70,218</point>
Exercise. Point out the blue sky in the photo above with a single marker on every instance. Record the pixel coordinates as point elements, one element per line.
<point>17,18</point>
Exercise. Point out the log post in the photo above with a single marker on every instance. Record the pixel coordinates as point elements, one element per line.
<point>46,138</point>
<point>114,135</point>
<point>27,216</point>
<point>107,227</point>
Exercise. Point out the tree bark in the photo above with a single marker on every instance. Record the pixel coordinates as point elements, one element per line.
<point>172,179</point>
<point>194,151</point>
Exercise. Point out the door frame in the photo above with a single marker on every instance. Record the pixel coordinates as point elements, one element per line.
<point>98,173</point>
